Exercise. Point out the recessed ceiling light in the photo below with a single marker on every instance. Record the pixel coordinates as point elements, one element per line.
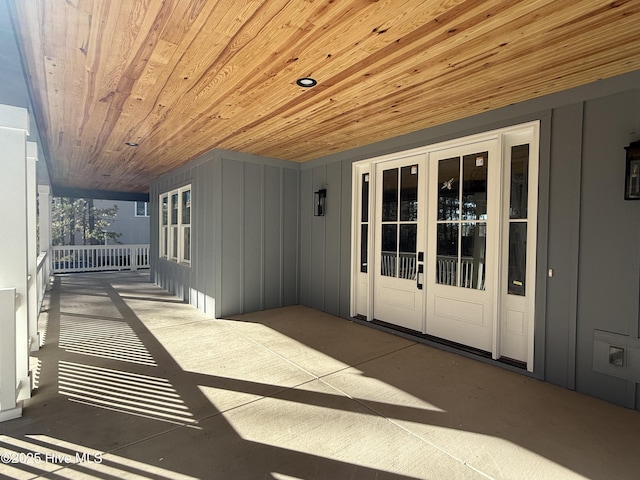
<point>132,144</point>
<point>306,82</point>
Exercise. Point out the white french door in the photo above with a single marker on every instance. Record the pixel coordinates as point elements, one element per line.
<point>444,241</point>
<point>462,246</point>
<point>399,236</point>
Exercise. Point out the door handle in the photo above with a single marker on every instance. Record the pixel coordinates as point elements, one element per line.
<point>419,276</point>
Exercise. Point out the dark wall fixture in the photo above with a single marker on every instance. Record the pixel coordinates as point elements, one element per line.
<point>319,202</point>
<point>632,177</point>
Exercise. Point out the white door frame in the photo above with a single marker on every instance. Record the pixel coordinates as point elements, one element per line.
<point>397,299</point>
<point>506,137</point>
<point>361,286</point>
<point>522,306</point>
<point>454,312</point>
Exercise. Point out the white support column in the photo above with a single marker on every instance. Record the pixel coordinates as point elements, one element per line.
<point>44,217</point>
<point>14,126</point>
<point>32,246</point>
<point>9,407</point>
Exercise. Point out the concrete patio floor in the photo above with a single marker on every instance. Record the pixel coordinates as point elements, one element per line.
<point>133,383</point>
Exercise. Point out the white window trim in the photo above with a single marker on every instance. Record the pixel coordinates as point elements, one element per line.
<point>183,226</point>
<point>174,232</point>
<point>174,238</point>
<point>164,228</point>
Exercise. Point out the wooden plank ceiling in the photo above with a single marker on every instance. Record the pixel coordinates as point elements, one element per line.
<point>181,77</point>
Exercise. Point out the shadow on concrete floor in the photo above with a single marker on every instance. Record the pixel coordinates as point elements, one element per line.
<point>133,383</point>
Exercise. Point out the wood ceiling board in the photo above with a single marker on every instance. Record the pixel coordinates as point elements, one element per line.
<point>383,105</point>
<point>289,110</point>
<point>184,76</point>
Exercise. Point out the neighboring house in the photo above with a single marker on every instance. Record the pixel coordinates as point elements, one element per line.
<point>543,210</point>
<point>131,221</point>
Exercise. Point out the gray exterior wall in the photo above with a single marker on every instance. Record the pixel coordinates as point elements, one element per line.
<point>325,260</point>
<point>245,227</point>
<point>587,233</point>
<point>257,245</point>
<point>609,254</point>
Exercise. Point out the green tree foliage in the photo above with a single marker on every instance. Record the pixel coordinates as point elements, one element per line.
<point>78,215</point>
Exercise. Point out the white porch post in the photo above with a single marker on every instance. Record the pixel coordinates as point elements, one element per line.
<point>32,246</point>
<point>14,126</point>
<point>9,407</point>
<point>44,216</point>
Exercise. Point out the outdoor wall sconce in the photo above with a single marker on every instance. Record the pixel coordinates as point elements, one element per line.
<point>319,202</point>
<point>632,177</point>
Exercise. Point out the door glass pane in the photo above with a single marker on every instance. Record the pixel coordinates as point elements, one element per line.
<point>474,189</point>
<point>390,195</point>
<point>519,181</point>
<point>389,250</point>
<point>447,254</point>
<point>365,198</point>
<point>409,193</point>
<point>174,209</point>
<point>473,249</point>
<point>449,189</point>
<point>186,207</point>
<point>407,260</point>
<point>364,247</point>
<point>408,236</point>
<point>517,258</point>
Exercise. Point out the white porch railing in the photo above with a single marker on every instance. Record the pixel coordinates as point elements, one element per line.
<point>404,266</point>
<point>97,258</point>
<point>447,272</point>
<point>9,383</point>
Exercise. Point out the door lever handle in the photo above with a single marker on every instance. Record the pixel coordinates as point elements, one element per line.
<point>419,276</point>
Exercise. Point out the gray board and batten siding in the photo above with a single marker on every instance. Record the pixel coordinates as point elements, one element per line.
<point>250,209</point>
<point>244,234</point>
